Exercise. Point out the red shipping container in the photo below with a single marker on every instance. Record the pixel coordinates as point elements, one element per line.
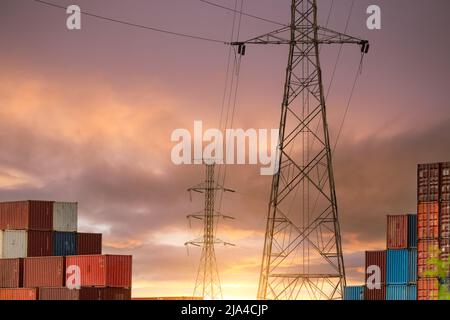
<point>426,250</point>
<point>428,289</point>
<point>375,258</point>
<point>26,215</point>
<point>445,220</point>
<point>428,182</point>
<point>89,243</point>
<point>375,294</point>
<point>397,232</point>
<point>85,294</point>
<point>428,220</point>
<point>43,272</point>
<point>11,273</point>
<point>40,243</point>
<point>102,270</point>
<point>19,294</point>
<point>167,298</point>
<point>115,293</point>
<point>445,181</point>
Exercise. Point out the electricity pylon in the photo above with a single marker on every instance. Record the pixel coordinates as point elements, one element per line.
<point>302,256</point>
<point>207,284</point>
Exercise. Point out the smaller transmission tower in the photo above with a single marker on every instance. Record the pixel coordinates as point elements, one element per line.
<point>207,284</point>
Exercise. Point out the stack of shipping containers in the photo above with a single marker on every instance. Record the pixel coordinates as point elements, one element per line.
<point>433,209</point>
<point>397,266</point>
<point>39,241</point>
<point>401,257</point>
<point>414,244</point>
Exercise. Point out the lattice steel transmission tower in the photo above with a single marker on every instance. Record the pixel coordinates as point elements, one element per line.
<point>302,257</point>
<point>207,284</point>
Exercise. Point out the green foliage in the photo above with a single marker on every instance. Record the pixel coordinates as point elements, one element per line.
<point>438,268</point>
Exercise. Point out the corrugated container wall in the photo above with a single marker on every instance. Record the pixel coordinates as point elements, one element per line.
<point>401,266</point>
<point>14,244</point>
<point>445,231</point>
<point>445,181</point>
<point>26,215</point>
<point>412,231</point>
<point>84,294</point>
<point>428,289</point>
<point>103,270</point>
<point>64,243</point>
<point>22,244</point>
<point>11,271</point>
<point>1,243</point>
<point>115,293</point>
<point>167,298</point>
<point>378,259</point>
<point>40,243</point>
<point>375,294</point>
<point>402,231</point>
<point>43,272</point>
<point>401,292</point>
<point>428,220</point>
<point>62,294</point>
<point>428,182</point>
<point>427,251</point>
<point>397,232</point>
<point>354,293</point>
<point>65,216</point>
<point>18,294</point>
<point>89,243</point>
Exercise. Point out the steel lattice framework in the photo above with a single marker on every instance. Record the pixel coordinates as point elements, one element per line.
<point>207,284</point>
<point>302,256</point>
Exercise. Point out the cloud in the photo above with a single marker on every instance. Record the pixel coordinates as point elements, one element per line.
<point>142,211</point>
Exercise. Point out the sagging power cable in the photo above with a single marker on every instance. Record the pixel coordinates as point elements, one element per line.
<point>135,25</point>
<point>243,13</point>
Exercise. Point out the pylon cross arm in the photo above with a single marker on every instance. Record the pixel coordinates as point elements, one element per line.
<point>305,36</point>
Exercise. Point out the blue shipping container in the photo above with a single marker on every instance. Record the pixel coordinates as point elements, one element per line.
<point>354,293</point>
<point>401,266</point>
<point>412,278</point>
<point>64,243</point>
<point>412,231</point>
<point>401,292</point>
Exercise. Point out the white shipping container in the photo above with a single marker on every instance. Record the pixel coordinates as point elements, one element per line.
<point>65,216</point>
<point>14,244</point>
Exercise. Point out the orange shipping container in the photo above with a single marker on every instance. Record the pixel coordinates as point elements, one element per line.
<point>445,181</point>
<point>26,215</point>
<point>397,232</point>
<point>428,289</point>
<point>43,272</point>
<point>426,250</point>
<point>168,298</point>
<point>428,220</point>
<point>19,294</point>
<point>11,272</point>
<point>85,294</point>
<point>445,220</point>
<point>102,270</point>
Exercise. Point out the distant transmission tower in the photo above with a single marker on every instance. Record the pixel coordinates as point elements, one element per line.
<point>207,284</point>
<point>302,257</point>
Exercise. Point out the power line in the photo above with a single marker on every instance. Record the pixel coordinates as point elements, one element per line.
<point>243,13</point>
<point>347,109</point>
<point>136,25</point>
